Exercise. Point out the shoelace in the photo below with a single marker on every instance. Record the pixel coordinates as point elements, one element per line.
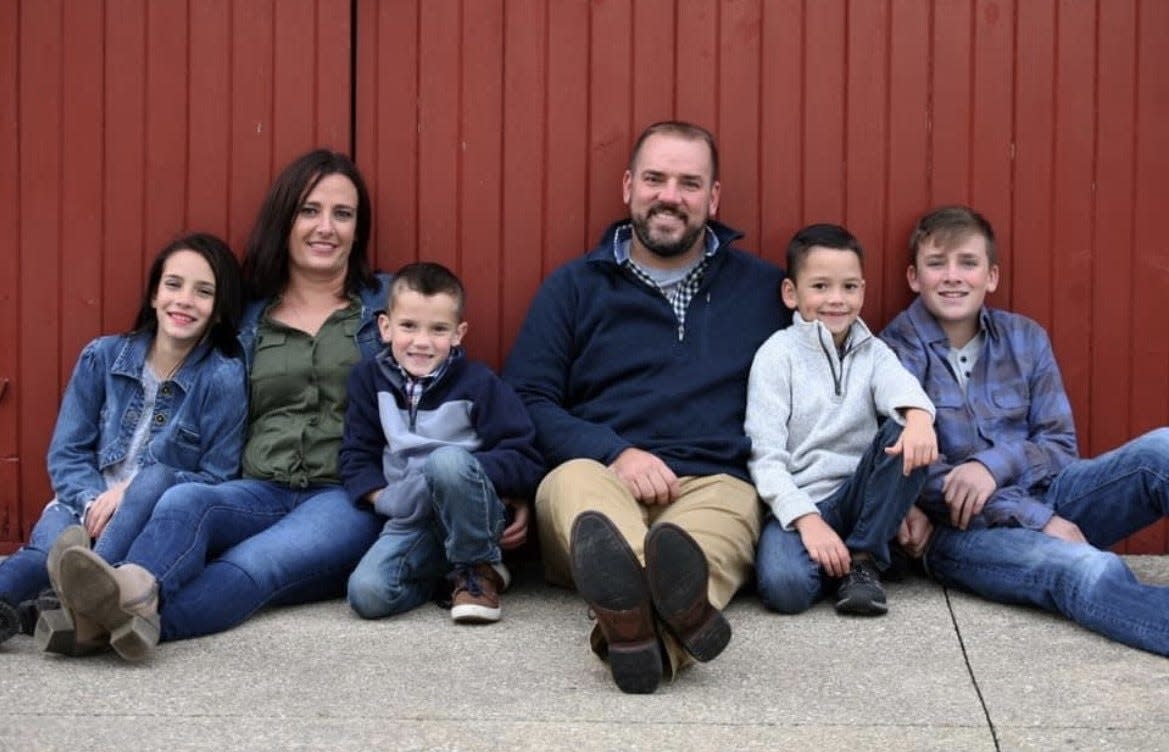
<point>466,578</point>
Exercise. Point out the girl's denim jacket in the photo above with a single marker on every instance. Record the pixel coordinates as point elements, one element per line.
<point>369,343</point>
<point>197,429</point>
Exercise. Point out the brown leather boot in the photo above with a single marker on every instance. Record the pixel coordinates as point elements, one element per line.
<point>60,630</point>
<point>123,601</point>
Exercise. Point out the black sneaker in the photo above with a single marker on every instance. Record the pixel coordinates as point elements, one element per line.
<point>9,620</point>
<point>860,592</point>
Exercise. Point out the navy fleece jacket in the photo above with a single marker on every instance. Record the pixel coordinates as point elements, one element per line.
<point>599,365</point>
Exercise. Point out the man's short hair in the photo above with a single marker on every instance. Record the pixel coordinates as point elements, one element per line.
<point>685,130</point>
<point>823,235</point>
<point>427,278</point>
<point>950,226</point>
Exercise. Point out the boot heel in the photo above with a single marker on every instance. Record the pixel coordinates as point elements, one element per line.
<point>55,632</point>
<point>135,639</point>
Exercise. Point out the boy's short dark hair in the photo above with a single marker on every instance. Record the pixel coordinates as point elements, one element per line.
<point>824,235</point>
<point>427,278</point>
<point>947,227</point>
<point>683,129</point>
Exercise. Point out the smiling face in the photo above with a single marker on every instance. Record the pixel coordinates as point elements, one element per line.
<point>421,330</point>
<point>953,284</point>
<point>185,299</point>
<point>671,193</point>
<point>323,229</point>
<point>829,287</point>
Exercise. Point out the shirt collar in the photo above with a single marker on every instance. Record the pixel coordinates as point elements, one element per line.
<point>925,323</point>
<point>623,240</point>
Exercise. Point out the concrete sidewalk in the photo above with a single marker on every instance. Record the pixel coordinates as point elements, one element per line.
<point>942,671</point>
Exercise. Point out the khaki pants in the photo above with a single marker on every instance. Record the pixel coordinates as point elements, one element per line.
<point>721,513</point>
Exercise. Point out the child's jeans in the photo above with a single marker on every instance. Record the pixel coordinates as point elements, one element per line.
<point>405,566</point>
<point>865,512</point>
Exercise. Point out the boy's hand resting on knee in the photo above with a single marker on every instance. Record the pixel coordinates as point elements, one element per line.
<point>1058,527</point>
<point>915,532</point>
<point>966,489</point>
<point>823,544</point>
<point>650,480</point>
<point>917,444</point>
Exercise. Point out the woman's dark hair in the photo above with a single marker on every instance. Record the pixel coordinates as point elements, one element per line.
<point>225,314</point>
<point>265,265</point>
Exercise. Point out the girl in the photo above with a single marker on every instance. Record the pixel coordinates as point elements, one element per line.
<point>162,404</point>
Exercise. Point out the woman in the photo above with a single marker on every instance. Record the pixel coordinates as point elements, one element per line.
<point>286,531</point>
<point>159,405</point>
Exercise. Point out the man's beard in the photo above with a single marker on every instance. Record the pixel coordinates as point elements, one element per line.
<point>665,249</point>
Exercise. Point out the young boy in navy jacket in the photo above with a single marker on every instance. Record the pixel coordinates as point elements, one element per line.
<point>436,443</point>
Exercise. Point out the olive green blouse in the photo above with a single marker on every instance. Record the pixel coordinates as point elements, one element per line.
<point>298,398</point>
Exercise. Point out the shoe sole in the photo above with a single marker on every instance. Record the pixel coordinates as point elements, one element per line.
<point>9,621</point>
<point>861,608</point>
<point>90,590</point>
<point>608,576</point>
<point>473,614</point>
<point>678,582</point>
<point>56,630</point>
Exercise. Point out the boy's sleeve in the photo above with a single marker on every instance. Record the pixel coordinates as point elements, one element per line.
<point>509,456</point>
<point>72,459</point>
<point>538,369</point>
<point>1051,443</point>
<point>769,407</point>
<point>894,387</point>
<point>363,440</point>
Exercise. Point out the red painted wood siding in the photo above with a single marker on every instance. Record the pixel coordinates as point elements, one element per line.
<point>494,134</point>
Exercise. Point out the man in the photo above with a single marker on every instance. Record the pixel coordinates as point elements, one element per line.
<point>1019,516</point>
<point>633,364</point>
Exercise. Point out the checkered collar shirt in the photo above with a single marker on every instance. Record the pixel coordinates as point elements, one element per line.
<point>680,295</point>
<point>415,386</point>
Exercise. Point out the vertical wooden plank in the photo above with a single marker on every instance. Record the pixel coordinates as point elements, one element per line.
<point>82,169</point>
<point>208,93</point>
<point>653,62</point>
<point>781,119</point>
<point>333,75</point>
<point>387,137</point>
<point>166,124</point>
<point>10,303</point>
<point>696,59</point>
<point>251,161</point>
<point>480,205</point>
<point>866,136</point>
<point>545,59</point>
<point>296,45</point>
<point>438,131</point>
<point>907,183</point>
<point>990,146</point>
<point>952,102</point>
<point>41,370</point>
<point>1071,278</point>
<point>824,87</point>
<point>611,111</point>
<point>125,161</point>
<point>1029,286</point>
<point>738,126</point>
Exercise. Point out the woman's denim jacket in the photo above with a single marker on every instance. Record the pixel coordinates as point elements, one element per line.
<point>367,338</point>
<point>200,416</point>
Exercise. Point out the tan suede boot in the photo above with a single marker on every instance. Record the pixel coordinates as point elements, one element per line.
<point>60,630</point>
<point>123,601</point>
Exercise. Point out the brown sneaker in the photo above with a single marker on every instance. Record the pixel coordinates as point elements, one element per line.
<point>476,596</point>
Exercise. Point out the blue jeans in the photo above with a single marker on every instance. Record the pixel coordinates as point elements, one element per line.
<point>865,512</point>
<point>23,574</point>
<point>222,552</point>
<point>404,567</point>
<point>1109,498</point>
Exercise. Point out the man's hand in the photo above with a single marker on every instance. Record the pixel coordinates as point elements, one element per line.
<point>966,489</point>
<point>914,533</point>
<point>516,533</point>
<point>823,544</point>
<point>917,444</point>
<point>103,507</point>
<point>649,479</point>
<point>1058,527</point>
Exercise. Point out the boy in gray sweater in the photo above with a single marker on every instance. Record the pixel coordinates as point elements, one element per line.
<point>840,432</point>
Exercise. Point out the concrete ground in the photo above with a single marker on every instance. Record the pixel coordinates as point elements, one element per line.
<point>942,671</point>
